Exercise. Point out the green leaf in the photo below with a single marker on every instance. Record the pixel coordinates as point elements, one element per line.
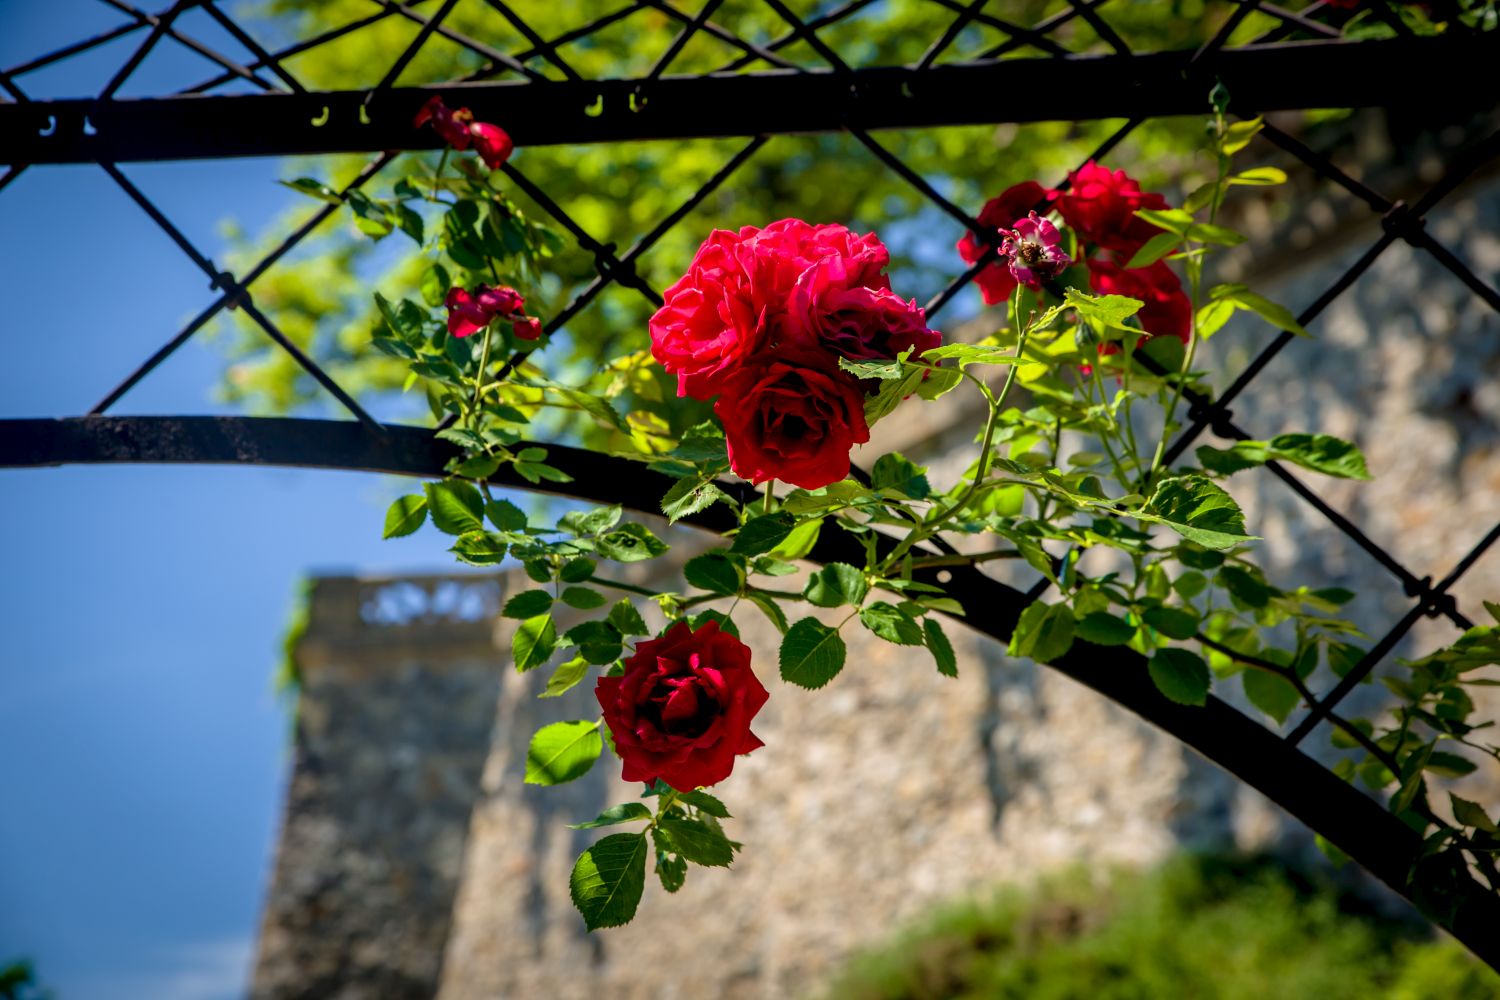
<point>1198,509</point>
<point>1319,452</point>
<point>626,619</point>
<point>1181,675</point>
<point>608,880</point>
<point>891,624</point>
<point>1212,317</point>
<point>456,507</point>
<point>528,604</point>
<point>505,515</point>
<point>630,543</point>
<point>1472,814</point>
<point>563,751</point>
<point>1245,585</point>
<point>941,648</point>
<point>1155,249</point>
<point>771,610</point>
<point>834,585</point>
<point>314,189</point>
<point>762,534</point>
<point>897,472</point>
<point>1174,623</point>
<point>812,654</point>
<point>479,548</point>
<point>702,443</point>
<point>671,869</point>
<point>626,812</point>
<point>583,598</point>
<point>800,542</point>
<point>1044,633</point>
<point>405,516</point>
<point>577,570</point>
<point>1449,765</point>
<point>697,841</point>
<point>1260,177</point>
<point>586,523</point>
<point>713,572</point>
<point>1173,220</point>
<point>534,642</point>
<point>566,677</point>
<point>1277,315</point>
<point>725,623</point>
<point>688,496</point>
<point>598,642</point>
<point>1190,584</point>
<point>1105,629</point>
<point>705,802</point>
<point>435,285</point>
<point>1271,694</point>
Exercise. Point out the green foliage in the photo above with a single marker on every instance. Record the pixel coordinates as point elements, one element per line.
<point>1205,927</point>
<point>561,752</point>
<point>812,654</point>
<point>608,880</point>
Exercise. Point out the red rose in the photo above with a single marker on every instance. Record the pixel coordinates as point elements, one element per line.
<point>470,312</point>
<point>996,282</point>
<point>1100,205</point>
<point>790,422</point>
<point>681,712</point>
<point>1167,311</point>
<point>526,327</point>
<point>859,323</point>
<point>492,143</point>
<point>737,293</point>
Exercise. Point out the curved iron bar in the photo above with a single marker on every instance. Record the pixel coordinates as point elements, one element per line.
<point>1356,824</point>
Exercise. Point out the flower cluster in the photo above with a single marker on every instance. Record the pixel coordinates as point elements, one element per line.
<point>762,318</point>
<point>1099,205</point>
<point>470,312</point>
<point>681,711</point>
<point>459,130</point>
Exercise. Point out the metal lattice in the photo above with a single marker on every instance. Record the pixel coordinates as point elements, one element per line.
<point>1302,62</point>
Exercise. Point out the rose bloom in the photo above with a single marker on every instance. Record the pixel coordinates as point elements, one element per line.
<point>854,321</point>
<point>1032,253</point>
<point>526,327</point>
<point>1167,311</point>
<point>682,710</point>
<point>468,313</point>
<point>786,421</point>
<point>459,130</point>
<point>1100,205</point>
<point>995,281</point>
<point>738,290</point>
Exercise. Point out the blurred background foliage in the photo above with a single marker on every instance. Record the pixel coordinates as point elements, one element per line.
<point>1200,927</point>
<point>321,295</point>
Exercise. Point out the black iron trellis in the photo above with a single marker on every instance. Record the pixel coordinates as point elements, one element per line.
<point>1302,62</point>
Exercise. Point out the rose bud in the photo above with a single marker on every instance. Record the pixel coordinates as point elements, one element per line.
<point>526,327</point>
<point>492,143</point>
<point>681,712</point>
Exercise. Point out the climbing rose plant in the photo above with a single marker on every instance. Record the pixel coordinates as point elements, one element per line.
<point>794,331</point>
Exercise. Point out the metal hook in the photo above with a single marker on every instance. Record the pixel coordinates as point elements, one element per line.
<point>596,109</point>
<point>322,119</point>
<point>364,114</point>
<point>88,126</point>
<point>51,128</point>
<point>637,100</point>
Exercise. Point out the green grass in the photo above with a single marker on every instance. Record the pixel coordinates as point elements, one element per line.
<point>1199,928</point>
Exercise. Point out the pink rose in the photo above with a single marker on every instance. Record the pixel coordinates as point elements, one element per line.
<point>852,320</point>
<point>995,281</point>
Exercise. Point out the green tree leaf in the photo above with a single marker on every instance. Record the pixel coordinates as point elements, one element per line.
<point>812,654</point>
<point>598,642</point>
<point>897,472</point>
<point>566,677</point>
<point>1174,623</point>
<point>689,495</point>
<point>1105,629</point>
<point>577,570</point>
<point>942,649</point>
<point>626,619</point>
<point>1199,510</point>
<point>705,802</point>
<point>583,598</point>
<point>1271,694</point>
<point>771,610</point>
<point>505,515</point>
<point>834,585</point>
<point>762,534</point>
<point>562,752</point>
<point>697,841</point>
<point>713,572</point>
<point>800,542</point>
<point>1471,814</point>
<point>528,604</point>
<point>1044,633</point>
<point>608,880</point>
<point>1181,675</point>
<point>456,507</point>
<point>479,548</point>
<point>626,812</point>
<point>405,516</point>
<point>891,624</point>
<point>1318,452</point>
<point>671,869</point>
<point>587,523</point>
<point>534,642</point>
<point>630,543</point>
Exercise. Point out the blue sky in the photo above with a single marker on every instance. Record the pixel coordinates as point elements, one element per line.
<point>142,749</point>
